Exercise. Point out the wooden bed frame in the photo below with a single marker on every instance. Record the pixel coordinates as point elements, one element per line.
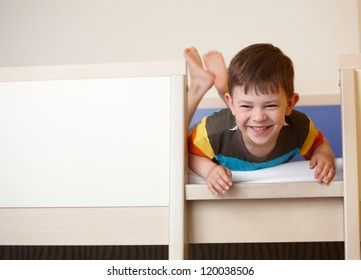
<point>288,212</point>
<point>139,217</point>
<point>185,213</point>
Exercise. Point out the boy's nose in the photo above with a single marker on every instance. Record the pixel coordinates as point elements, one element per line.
<point>259,115</point>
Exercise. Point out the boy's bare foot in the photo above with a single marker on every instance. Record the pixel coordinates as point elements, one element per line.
<point>215,64</point>
<point>201,80</point>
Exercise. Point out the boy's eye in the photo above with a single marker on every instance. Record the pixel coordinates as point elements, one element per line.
<point>271,106</point>
<point>245,106</point>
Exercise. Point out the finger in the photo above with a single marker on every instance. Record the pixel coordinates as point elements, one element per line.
<point>229,176</point>
<point>211,188</point>
<point>226,175</point>
<point>222,183</point>
<point>229,172</point>
<point>319,168</point>
<point>330,175</point>
<point>324,173</point>
<point>216,185</point>
<point>225,181</point>
<point>219,180</point>
<point>217,188</point>
<point>223,178</point>
<point>313,162</point>
<point>212,182</point>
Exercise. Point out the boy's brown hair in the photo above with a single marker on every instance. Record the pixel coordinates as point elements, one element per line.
<point>262,67</point>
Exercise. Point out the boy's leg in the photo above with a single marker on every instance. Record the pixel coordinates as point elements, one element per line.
<point>200,80</point>
<point>215,64</point>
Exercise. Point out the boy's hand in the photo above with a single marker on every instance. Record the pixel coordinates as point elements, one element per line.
<point>219,180</point>
<point>324,162</point>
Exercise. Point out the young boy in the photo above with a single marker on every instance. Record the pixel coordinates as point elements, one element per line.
<point>260,128</point>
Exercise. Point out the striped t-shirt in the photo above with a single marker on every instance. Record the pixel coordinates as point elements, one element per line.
<point>218,138</point>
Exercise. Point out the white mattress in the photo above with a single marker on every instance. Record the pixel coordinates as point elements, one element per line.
<point>297,171</point>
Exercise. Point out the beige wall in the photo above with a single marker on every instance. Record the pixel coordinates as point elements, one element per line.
<point>359,22</point>
<point>312,32</point>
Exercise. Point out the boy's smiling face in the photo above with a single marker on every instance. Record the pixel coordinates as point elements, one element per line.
<point>260,117</point>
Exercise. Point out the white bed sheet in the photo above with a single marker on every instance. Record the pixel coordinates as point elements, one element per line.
<point>297,171</point>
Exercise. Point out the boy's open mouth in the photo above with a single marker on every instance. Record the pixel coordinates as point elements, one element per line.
<point>260,128</point>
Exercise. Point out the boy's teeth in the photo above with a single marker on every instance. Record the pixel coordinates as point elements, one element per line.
<point>259,127</point>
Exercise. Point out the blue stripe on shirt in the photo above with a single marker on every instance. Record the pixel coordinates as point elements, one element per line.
<point>241,165</point>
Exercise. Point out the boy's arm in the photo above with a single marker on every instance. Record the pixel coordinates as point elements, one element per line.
<point>218,177</point>
<point>323,159</point>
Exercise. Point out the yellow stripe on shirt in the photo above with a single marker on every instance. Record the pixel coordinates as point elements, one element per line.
<point>201,140</point>
<point>313,134</point>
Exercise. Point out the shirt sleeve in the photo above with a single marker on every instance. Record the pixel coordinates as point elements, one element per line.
<point>313,140</point>
<point>198,142</point>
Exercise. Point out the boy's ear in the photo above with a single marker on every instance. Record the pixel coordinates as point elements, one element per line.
<point>291,102</point>
<point>229,102</point>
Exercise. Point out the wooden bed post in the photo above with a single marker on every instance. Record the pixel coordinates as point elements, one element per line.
<point>178,164</point>
<point>350,122</point>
